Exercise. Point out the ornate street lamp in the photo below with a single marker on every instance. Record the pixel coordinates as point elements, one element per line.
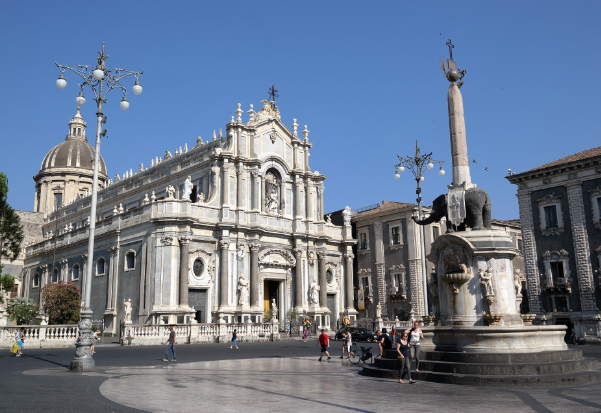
<point>97,78</point>
<point>417,165</point>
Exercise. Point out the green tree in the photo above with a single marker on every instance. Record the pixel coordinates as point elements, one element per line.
<point>11,235</point>
<point>21,310</point>
<point>62,302</point>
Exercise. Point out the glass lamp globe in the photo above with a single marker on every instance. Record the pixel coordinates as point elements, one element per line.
<point>421,179</point>
<point>80,99</point>
<point>400,169</point>
<point>124,103</point>
<point>430,165</point>
<point>137,88</point>
<point>441,172</point>
<point>61,83</point>
<point>397,176</point>
<point>98,73</point>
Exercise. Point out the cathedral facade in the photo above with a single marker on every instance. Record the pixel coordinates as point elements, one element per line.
<point>230,230</point>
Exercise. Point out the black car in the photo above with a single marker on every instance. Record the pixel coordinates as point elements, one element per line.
<point>358,334</point>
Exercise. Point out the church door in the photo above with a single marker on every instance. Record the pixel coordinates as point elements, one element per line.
<point>332,308</point>
<point>197,299</point>
<point>271,290</point>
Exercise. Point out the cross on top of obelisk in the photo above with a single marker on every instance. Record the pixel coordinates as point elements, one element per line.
<point>450,68</point>
<point>273,93</point>
<point>451,47</point>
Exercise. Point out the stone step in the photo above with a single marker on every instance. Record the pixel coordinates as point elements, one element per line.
<point>511,369</point>
<point>494,358</point>
<point>549,380</point>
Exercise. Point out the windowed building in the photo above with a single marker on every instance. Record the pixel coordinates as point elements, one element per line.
<point>221,231</point>
<point>560,209</point>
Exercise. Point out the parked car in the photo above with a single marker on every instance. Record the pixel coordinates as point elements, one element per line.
<point>358,334</point>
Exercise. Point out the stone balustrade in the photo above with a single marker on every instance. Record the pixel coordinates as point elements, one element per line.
<point>42,336</point>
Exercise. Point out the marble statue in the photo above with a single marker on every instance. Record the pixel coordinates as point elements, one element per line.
<point>201,198</point>
<point>271,199</point>
<point>274,310</point>
<point>329,218</point>
<point>187,188</point>
<point>379,311</point>
<point>517,282</point>
<point>127,305</point>
<point>170,191</point>
<point>486,280</point>
<point>243,288</point>
<point>314,293</point>
<point>346,215</point>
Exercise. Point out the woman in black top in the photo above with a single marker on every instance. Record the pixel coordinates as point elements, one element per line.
<point>402,347</point>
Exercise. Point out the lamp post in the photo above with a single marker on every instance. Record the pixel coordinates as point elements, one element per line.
<point>98,78</point>
<point>417,165</point>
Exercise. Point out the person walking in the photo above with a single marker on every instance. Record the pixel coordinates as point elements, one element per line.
<point>20,339</point>
<point>324,342</point>
<point>170,345</point>
<point>415,335</point>
<point>234,340</point>
<point>94,338</point>
<point>347,341</point>
<point>402,348</point>
<point>305,334</point>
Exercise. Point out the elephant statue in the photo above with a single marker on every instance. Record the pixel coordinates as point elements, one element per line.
<point>477,207</point>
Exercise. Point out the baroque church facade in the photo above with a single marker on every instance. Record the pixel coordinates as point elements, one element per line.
<point>229,230</point>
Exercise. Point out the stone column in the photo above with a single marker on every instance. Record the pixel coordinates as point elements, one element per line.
<point>310,212</point>
<point>64,270</point>
<point>262,194</point>
<point>307,211</point>
<point>254,275</point>
<point>321,213</point>
<point>113,269</point>
<point>226,183</point>
<point>581,247</point>
<point>183,270</point>
<point>298,290</point>
<point>529,250</point>
<point>44,275</point>
<point>223,272</point>
<point>349,288</point>
<point>257,191</point>
<point>461,168</point>
<point>297,185</point>
<point>323,282</point>
<point>239,173</point>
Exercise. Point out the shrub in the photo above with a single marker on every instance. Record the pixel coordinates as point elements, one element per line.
<point>62,302</point>
<point>21,310</point>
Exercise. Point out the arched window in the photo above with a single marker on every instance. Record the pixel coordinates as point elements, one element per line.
<point>36,280</point>
<point>56,276</point>
<point>100,266</point>
<point>130,260</point>
<point>75,272</point>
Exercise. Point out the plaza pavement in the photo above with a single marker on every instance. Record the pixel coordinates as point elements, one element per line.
<point>260,377</point>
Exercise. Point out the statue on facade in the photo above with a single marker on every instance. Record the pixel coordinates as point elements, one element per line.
<point>517,282</point>
<point>274,310</point>
<point>379,311</point>
<point>170,191</point>
<point>329,218</point>
<point>187,188</point>
<point>127,305</point>
<point>201,198</point>
<point>314,293</point>
<point>243,288</point>
<point>346,215</point>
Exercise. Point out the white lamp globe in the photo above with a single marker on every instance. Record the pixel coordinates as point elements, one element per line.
<point>421,179</point>
<point>137,88</point>
<point>80,99</point>
<point>397,176</point>
<point>400,169</point>
<point>430,165</point>
<point>124,103</point>
<point>98,73</point>
<point>61,83</point>
<point>441,172</point>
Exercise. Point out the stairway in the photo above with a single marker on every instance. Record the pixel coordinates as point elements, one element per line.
<point>544,369</point>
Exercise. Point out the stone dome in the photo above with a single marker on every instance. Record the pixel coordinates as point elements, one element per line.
<point>74,152</point>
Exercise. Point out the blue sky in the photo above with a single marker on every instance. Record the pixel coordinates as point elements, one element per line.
<point>364,76</point>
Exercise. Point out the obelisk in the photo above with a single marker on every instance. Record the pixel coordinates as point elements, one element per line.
<point>461,166</point>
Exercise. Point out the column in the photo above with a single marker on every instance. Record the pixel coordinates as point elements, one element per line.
<point>581,247</point>
<point>282,197</point>
<point>226,183</point>
<point>321,213</point>
<point>323,282</point>
<point>239,173</point>
<point>349,288</point>
<point>310,213</point>
<point>529,250</point>
<point>183,271</point>
<point>113,269</point>
<point>297,185</point>
<point>44,268</point>
<point>254,275</point>
<point>307,211</point>
<point>298,291</point>
<point>257,191</point>
<point>262,194</point>
<point>223,272</point>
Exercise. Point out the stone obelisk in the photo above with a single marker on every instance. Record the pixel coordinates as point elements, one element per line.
<point>461,166</point>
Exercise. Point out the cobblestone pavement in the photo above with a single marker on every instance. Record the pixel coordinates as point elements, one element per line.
<point>268,377</point>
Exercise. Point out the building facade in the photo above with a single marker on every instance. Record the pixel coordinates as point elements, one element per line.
<point>388,264</point>
<point>560,209</point>
<point>229,230</point>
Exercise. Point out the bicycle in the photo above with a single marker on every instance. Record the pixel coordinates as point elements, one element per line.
<point>360,354</point>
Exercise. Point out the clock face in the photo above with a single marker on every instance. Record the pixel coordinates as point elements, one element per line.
<point>329,276</point>
<point>198,267</point>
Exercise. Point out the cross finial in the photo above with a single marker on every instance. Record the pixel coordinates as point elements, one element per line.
<point>273,93</point>
<point>451,46</point>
